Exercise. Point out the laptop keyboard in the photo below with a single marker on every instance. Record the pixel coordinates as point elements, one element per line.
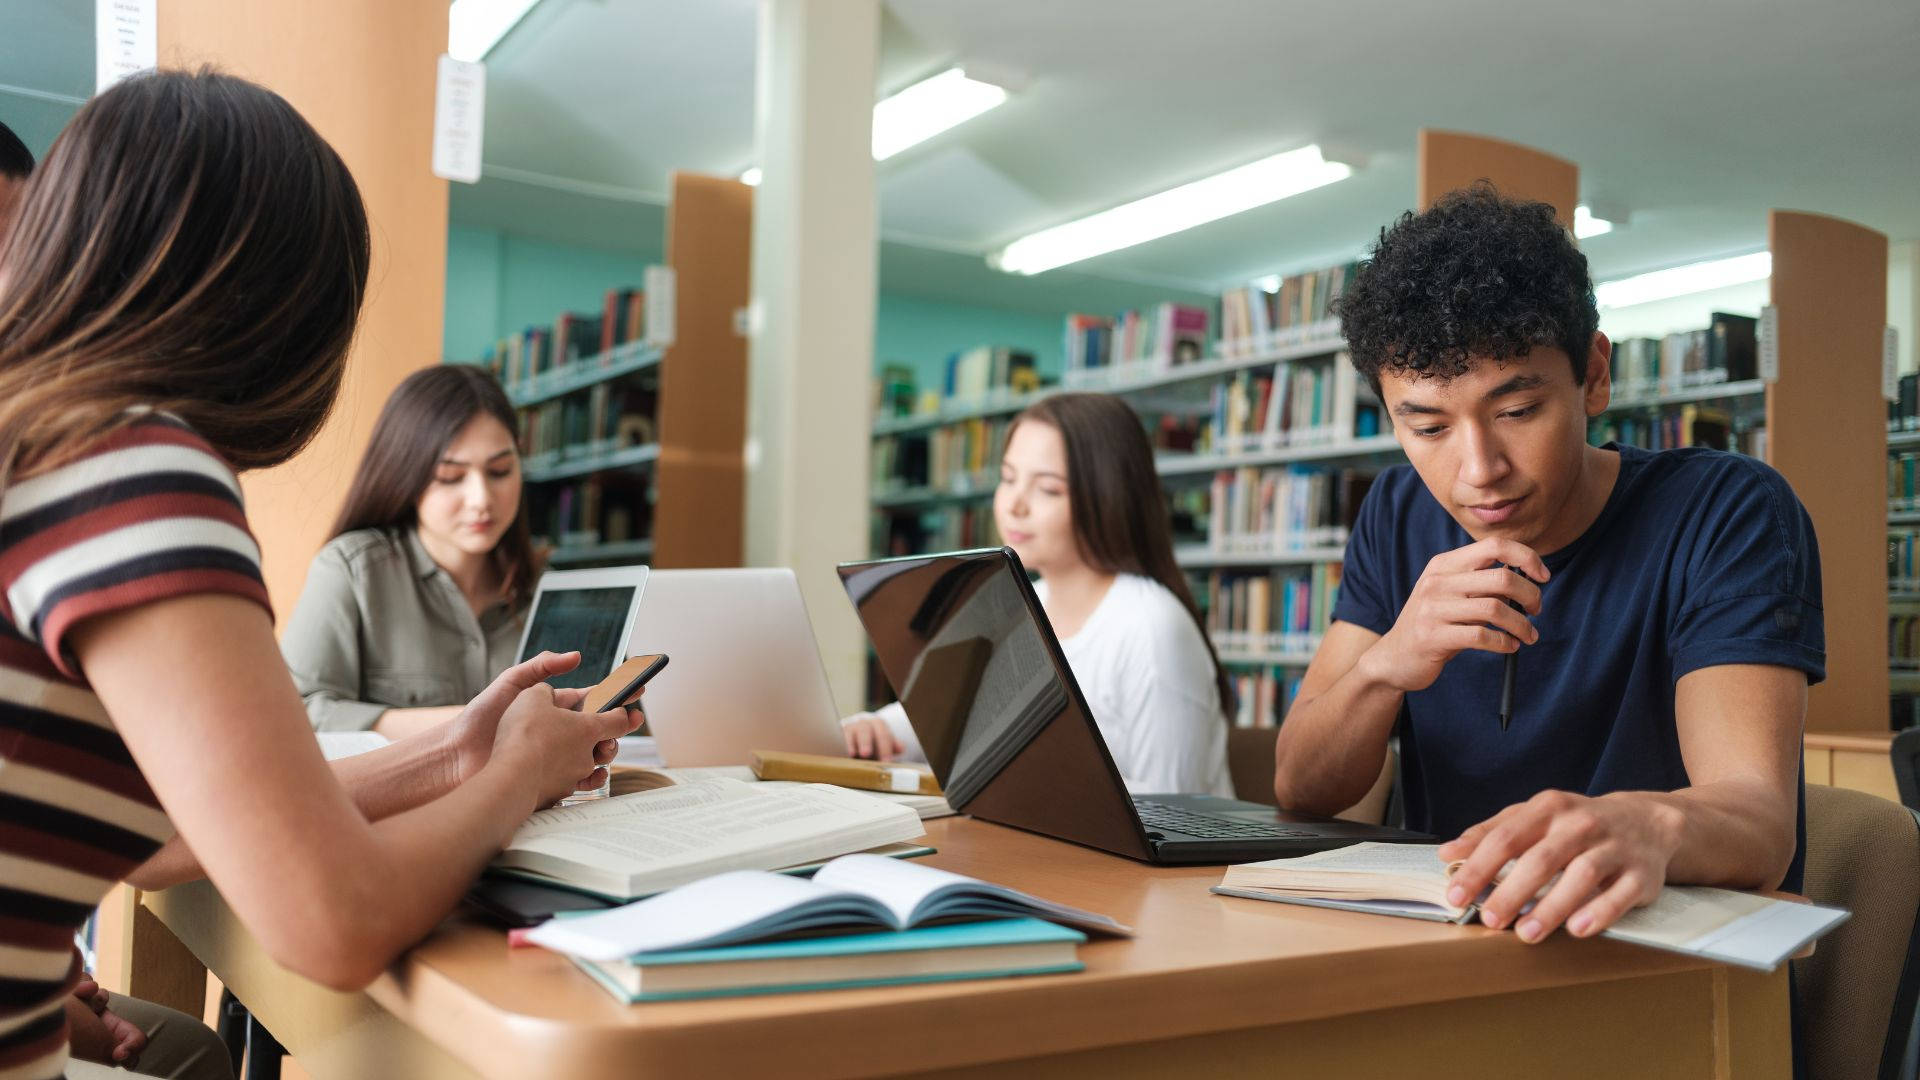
<point>1176,819</point>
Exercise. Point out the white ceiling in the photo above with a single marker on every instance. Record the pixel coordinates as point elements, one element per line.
<point>1696,117</point>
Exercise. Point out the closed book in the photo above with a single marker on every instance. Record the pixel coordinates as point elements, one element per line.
<point>979,950</point>
<point>844,771</point>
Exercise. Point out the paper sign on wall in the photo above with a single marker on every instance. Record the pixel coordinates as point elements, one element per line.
<point>1770,343</point>
<point>1890,364</point>
<point>659,282</point>
<point>459,119</point>
<point>124,40</point>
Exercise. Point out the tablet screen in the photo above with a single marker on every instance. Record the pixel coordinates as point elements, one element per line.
<point>592,620</point>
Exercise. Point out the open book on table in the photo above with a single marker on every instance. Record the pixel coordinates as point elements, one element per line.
<point>629,778</point>
<point>855,892</point>
<point>650,841</point>
<point>1409,880</point>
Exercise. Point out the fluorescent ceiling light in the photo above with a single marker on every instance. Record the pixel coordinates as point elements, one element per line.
<point>919,112</point>
<point>1270,283</point>
<point>474,27</point>
<point>1264,181</point>
<point>1682,280</point>
<point>928,108</point>
<point>1585,224</point>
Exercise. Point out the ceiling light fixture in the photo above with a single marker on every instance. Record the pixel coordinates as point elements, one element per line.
<point>1267,180</point>
<point>1683,280</point>
<point>1586,225</point>
<point>928,108</point>
<point>751,176</point>
<point>474,27</point>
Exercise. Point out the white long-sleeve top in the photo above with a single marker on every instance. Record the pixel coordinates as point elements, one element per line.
<point>1144,669</point>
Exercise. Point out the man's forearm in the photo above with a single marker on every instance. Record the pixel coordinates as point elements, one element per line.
<point>1330,748</point>
<point>384,782</point>
<point>1734,834</point>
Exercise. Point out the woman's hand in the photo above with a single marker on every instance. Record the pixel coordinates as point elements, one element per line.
<point>474,729</point>
<point>544,737</point>
<point>868,736</point>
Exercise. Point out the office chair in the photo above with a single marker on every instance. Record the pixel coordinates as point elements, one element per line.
<point>1906,766</point>
<point>1856,993</point>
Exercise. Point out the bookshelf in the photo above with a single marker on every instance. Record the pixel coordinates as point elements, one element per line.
<point>632,452</point>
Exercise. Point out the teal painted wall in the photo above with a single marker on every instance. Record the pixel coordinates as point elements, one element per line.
<point>922,333</point>
<point>498,283</point>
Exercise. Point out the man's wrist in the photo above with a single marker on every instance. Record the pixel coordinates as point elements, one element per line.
<point>1665,820</point>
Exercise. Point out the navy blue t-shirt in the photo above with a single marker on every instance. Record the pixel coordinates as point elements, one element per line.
<point>1699,558</point>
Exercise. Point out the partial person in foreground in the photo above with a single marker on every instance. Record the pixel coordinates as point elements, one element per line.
<point>1080,503</point>
<point>177,298</point>
<point>16,165</point>
<point>1666,611</point>
<point>418,600</point>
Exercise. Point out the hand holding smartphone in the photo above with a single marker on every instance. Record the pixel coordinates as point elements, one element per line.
<point>622,686</point>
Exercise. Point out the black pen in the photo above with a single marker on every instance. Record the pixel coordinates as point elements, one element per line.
<point>1511,667</point>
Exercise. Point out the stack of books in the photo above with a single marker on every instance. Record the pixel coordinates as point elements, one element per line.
<point>862,920</point>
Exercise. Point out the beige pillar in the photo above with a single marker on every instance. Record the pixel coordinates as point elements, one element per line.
<point>810,359</point>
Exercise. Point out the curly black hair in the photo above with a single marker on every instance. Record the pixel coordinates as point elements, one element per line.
<point>1476,276</point>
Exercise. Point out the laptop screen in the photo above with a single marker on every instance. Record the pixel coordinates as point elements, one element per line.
<point>967,648</point>
<point>592,620</point>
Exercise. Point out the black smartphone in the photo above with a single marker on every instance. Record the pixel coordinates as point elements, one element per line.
<point>623,685</point>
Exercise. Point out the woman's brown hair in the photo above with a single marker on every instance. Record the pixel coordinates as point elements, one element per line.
<point>425,413</point>
<point>1120,517</point>
<point>190,244</point>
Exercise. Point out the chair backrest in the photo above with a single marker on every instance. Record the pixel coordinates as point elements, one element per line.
<point>1857,991</point>
<point>1906,766</point>
<point>1250,764</point>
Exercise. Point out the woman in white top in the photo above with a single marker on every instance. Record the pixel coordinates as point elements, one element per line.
<point>1080,503</point>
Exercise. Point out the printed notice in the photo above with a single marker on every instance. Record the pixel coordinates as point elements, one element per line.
<point>459,117</point>
<point>124,40</point>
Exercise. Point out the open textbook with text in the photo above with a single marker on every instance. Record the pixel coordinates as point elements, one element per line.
<point>646,842</point>
<point>1410,880</point>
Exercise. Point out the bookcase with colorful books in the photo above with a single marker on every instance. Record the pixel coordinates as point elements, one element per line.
<point>633,413</point>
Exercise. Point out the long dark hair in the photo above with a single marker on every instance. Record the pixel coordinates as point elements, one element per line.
<point>426,411</point>
<point>192,245</point>
<point>1120,517</point>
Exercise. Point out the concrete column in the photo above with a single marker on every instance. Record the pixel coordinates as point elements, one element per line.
<point>810,357</point>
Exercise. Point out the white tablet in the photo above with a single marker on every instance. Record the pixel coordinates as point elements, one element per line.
<point>589,610</point>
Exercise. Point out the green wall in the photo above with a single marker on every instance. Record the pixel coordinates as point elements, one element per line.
<point>922,333</point>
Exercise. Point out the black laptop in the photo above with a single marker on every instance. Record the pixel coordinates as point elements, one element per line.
<point>967,647</point>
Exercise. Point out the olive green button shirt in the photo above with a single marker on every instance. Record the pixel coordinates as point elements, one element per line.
<point>381,626</point>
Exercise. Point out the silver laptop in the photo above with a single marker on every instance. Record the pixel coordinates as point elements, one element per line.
<point>745,672</point>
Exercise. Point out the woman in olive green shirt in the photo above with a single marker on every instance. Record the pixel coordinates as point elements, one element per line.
<point>418,600</point>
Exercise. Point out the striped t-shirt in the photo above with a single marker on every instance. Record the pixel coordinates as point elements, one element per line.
<point>149,512</point>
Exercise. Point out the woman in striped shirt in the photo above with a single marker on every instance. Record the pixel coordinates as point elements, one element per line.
<point>177,298</point>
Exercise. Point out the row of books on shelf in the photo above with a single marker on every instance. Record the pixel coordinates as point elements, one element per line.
<point>1903,412</point>
<point>1725,351</point>
<point>1163,336</point>
<point>951,528</point>
<point>590,510</point>
<point>1903,642</point>
<point>604,419</point>
<point>1678,426</point>
<point>1283,509</point>
<point>1263,696</point>
<point>960,457</point>
<point>627,315</point>
<point>1253,320</point>
<point>1281,611</point>
<point>1302,403</point>
<point>1903,560</point>
<point>1903,469</point>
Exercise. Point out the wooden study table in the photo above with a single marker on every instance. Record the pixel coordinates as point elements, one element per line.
<point>1212,986</point>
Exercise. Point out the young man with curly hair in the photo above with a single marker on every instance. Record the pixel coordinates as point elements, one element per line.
<point>1666,611</point>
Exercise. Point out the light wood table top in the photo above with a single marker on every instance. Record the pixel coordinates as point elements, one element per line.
<point>1201,964</point>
